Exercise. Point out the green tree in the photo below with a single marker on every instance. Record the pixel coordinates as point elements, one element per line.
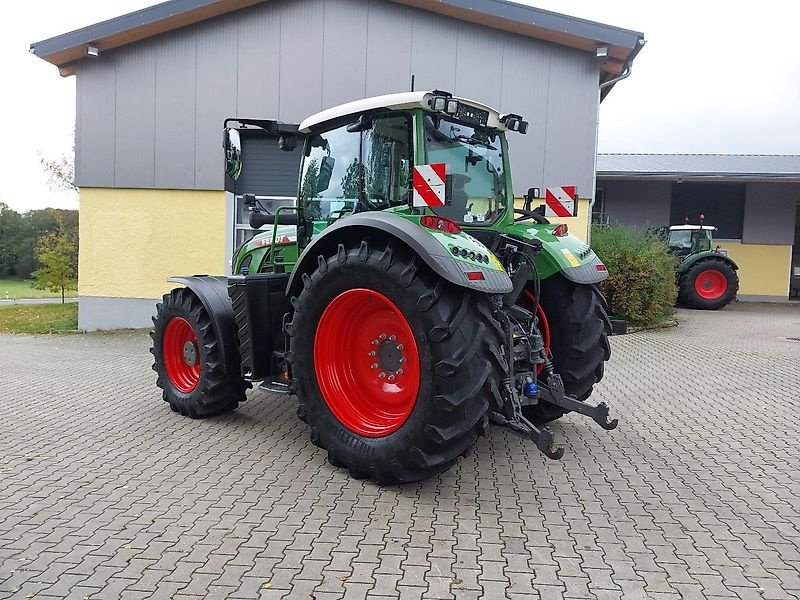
<point>10,223</point>
<point>57,252</point>
<point>33,225</point>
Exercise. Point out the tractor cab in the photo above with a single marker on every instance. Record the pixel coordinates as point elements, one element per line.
<point>690,239</point>
<point>412,153</point>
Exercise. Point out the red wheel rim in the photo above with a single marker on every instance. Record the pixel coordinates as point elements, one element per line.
<point>526,301</point>
<point>710,284</point>
<point>181,355</point>
<point>366,362</point>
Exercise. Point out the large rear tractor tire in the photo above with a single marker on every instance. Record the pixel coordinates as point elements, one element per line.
<point>188,359</point>
<point>394,367</point>
<point>575,326</point>
<point>708,284</point>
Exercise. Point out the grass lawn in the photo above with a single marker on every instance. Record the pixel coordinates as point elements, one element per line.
<point>38,318</point>
<point>21,288</point>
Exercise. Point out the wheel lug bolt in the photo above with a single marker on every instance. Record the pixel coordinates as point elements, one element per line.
<point>402,359</point>
<point>399,346</point>
<point>392,338</point>
<point>372,353</point>
<point>382,336</point>
<point>399,371</point>
<point>391,377</point>
<point>374,342</point>
<point>381,375</point>
<point>373,366</point>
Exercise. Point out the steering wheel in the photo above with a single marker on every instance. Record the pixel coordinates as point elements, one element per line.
<point>378,202</point>
<point>529,214</point>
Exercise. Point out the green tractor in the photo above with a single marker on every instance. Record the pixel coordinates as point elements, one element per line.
<point>403,298</point>
<point>706,277</point>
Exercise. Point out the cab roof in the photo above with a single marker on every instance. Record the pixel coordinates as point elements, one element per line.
<point>691,227</point>
<point>402,101</point>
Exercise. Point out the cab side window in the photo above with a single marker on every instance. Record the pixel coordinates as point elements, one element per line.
<point>330,178</point>
<point>387,160</point>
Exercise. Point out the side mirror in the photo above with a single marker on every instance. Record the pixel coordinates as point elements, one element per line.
<point>362,124</point>
<point>325,173</point>
<point>529,197</point>
<point>232,144</point>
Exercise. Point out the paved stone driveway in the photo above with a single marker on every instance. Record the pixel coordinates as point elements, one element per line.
<point>105,493</point>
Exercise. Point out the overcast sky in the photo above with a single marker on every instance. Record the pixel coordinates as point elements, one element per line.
<point>715,76</point>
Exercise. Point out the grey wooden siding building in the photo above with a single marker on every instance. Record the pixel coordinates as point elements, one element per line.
<point>154,87</point>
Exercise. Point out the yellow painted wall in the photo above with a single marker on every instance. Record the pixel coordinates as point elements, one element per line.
<point>578,226</point>
<point>763,269</point>
<point>132,239</point>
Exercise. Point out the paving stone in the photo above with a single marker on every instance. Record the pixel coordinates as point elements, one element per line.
<point>107,493</point>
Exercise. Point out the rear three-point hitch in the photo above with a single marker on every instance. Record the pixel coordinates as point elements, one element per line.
<point>532,378</point>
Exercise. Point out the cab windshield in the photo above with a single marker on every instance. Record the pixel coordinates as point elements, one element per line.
<point>475,177</point>
<point>689,241</point>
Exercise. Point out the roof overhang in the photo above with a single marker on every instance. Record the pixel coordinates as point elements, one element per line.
<point>622,45</point>
<point>678,177</point>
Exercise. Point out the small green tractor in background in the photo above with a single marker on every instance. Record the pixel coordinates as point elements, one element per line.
<point>403,298</point>
<point>706,276</point>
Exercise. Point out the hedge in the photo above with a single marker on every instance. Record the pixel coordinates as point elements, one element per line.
<point>641,274</point>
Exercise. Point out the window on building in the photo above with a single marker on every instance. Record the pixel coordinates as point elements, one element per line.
<point>722,204</point>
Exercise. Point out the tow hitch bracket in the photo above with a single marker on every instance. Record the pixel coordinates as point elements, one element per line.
<point>553,392</point>
<point>542,437</point>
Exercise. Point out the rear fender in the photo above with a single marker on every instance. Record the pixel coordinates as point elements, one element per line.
<point>430,249</point>
<point>573,259</point>
<point>693,259</point>
<point>565,254</point>
<point>212,291</point>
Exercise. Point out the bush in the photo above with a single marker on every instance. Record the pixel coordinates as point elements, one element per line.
<point>641,274</point>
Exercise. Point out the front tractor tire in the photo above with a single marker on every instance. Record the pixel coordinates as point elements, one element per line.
<point>188,359</point>
<point>394,367</point>
<point>708,284</point>
<point>575,328</point>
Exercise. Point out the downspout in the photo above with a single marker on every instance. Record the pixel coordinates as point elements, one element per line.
<point>626,72</point>
<point>624,75</point>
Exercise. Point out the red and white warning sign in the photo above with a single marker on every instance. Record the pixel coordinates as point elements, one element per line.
<point>560,201</point>
<point>428,181</point>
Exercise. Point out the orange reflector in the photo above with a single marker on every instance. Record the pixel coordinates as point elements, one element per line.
<point>475,276</point>
<point>601,267</point>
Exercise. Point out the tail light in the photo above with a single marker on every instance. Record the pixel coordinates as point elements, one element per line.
<point>561,230</point>
<point>439,224</point>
